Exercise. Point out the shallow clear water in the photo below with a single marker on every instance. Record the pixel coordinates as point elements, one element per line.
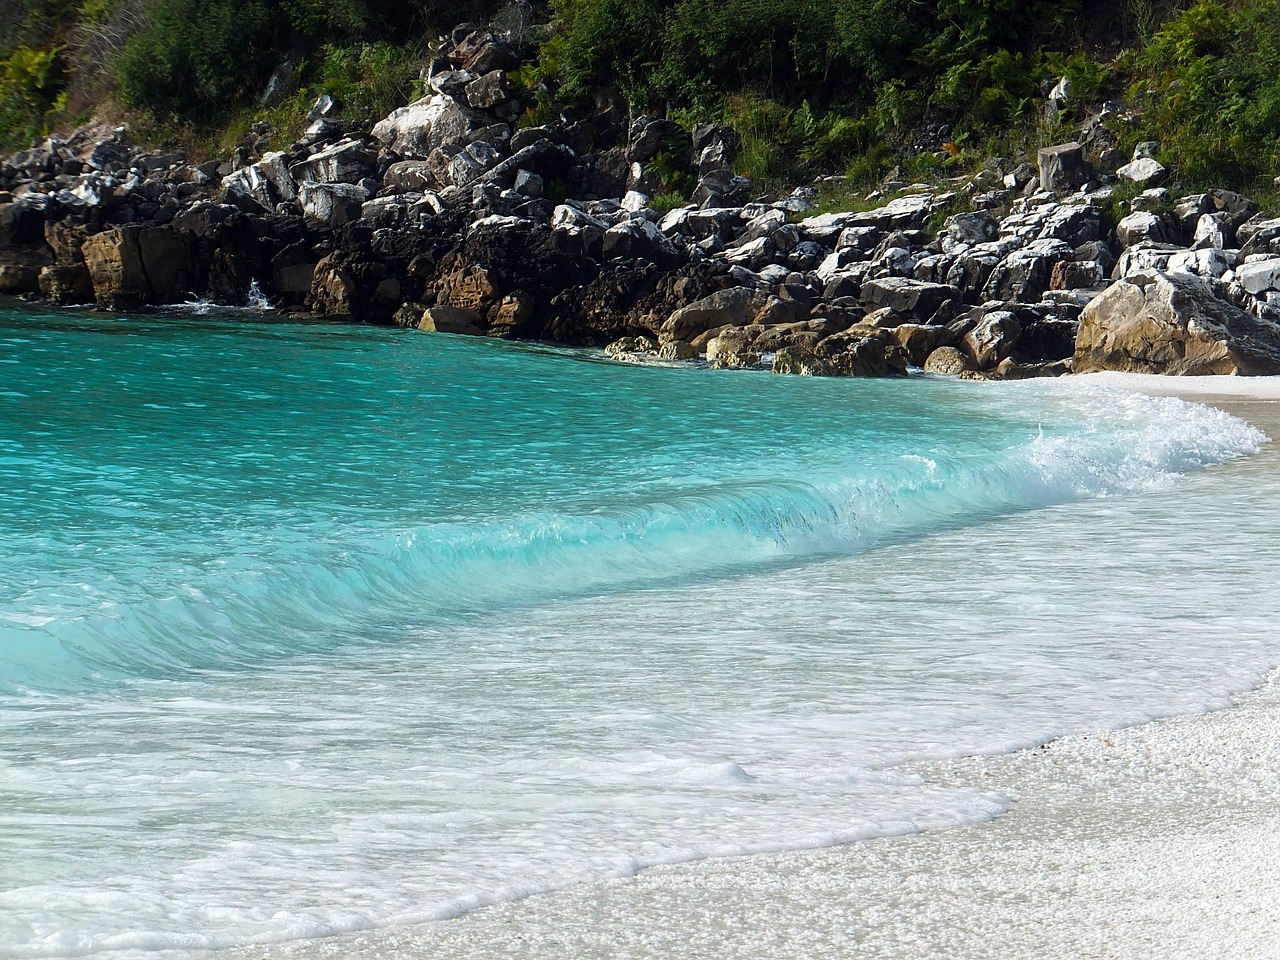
<point>306,629</point>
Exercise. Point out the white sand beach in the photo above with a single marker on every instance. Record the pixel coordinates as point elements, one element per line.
<point>1157,841</point>
<point>1160,841</point>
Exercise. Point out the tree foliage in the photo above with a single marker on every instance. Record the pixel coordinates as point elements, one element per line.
<point>701,50</point>
<point>197,56</point>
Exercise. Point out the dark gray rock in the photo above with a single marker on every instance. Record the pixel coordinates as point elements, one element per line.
<point>1150,227</point>
<point>992,339</point>
<point>347,162</point>
<point>649,136</point>
<point>1062,167</point>
<point>971,228</point>
<point>488,91</point>
<point>332,204</point>
<point>1025,275</point>
<point>908,298</point>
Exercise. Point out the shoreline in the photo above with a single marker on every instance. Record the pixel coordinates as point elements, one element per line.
<point>1154,840</point>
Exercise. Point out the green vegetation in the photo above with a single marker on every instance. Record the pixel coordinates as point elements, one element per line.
<point>28,92</point>
<point>812,86</point>
<point>861,88</point>
<point>1207,87</point>
<point>199,56</point>
<point>815,87</point>
<point>202,65</point>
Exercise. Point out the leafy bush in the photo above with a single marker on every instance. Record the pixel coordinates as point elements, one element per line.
<point>28,91</point>
<point>369,79</point>
<point>607,43</point>
<point>776,141</point>
<point>763,127</point>
<point>710,46</point>
<point>200,57</point>
<point>1209,91</point>
<point>809,83</point>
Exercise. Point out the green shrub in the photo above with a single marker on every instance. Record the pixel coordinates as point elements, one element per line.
<point>668,200</point>
<point>878,39</point>
<point>369,79</point>
<point>29,90</point>
<point>1208,90</point>
<point>607,43</point>
<point>199,55</point>
<point>713,46</point>
<point>850,71</point>
<point>763,127</point>
<point>202,58</point>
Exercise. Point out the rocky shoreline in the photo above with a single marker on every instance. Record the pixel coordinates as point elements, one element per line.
<point>448,217</point>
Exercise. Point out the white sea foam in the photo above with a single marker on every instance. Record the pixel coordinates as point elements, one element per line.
<point>256,302</point>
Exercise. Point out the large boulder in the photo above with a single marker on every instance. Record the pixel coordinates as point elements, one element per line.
<point>1062,167</point>
<point>333,291</point>
<point>1145,226</point>
<point>481,52</point>
<point>131,266</point>
<point>456,320</point>
<point>66,283</point>
<point>734,307</point>
<point>642,240</point>
<point>488,91</point>
<point>166,261</point>
<point>21,221</point>
<point>1026,274</point>
<point>732,349</point>
<point>258,187</point>
<point>859,357</point>
<point>1152,322</point>
<point>425,125</point>
<point>547,159</point>
<point>472,288</point>
<point>410,176</point>
<point>992,339</point>
<point>949,361</point>
<point>19,278</point>
<point>1073,224</point>
<point>347,162</point>
<point>468,165</point>
<point>919,340</point>
<point>114,262</point>
<point>332,203</point>
<point>904,213</point>
<point>1259,276</point>
<point>964,230</point>
<point>1145,171</point>
<point>293,270</point>
<point>914,299</point>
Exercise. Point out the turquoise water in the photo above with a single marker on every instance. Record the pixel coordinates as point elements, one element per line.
<point>312,629</point>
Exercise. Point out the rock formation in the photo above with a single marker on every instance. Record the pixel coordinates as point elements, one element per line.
<point>445,218</point>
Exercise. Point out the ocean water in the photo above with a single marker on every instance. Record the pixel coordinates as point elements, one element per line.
<point>308,630</point>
